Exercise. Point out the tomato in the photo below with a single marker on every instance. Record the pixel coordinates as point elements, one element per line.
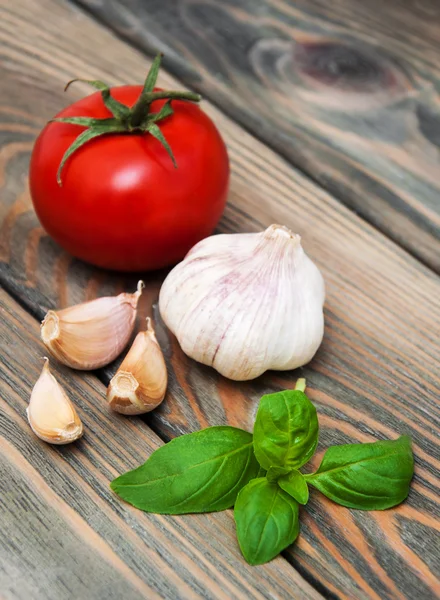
<point>122,204</point>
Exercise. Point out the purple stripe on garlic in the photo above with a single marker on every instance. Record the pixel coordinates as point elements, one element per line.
<point>246,303</point>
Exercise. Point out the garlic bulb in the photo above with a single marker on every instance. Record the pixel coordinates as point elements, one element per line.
<point>91,335</point>
<point>51,414</point>
<point>245,303</point>
<point>140,382</point>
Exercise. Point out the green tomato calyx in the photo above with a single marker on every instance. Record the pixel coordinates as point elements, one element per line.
<point>126,119</point>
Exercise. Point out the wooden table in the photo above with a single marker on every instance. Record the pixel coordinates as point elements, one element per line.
<point>359,183</point>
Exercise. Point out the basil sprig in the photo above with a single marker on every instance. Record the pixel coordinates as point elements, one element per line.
<point>220,467</point>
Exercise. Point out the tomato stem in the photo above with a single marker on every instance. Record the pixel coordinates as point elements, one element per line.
<point>141,109</point>
<point>125,119</point>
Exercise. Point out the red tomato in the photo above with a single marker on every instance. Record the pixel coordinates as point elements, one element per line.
<point>122,204</point>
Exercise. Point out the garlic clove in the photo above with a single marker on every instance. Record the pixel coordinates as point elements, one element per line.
<point>51,414</point>
<point>246,303</point>
<point>140,383</point>
<point>91,335</point>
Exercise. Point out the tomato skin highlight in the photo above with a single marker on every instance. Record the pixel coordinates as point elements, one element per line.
<point>122,204</point>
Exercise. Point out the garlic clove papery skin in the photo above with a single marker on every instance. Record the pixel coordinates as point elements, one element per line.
<point>91,335</point>
<point>51,414</point>
<point>246,303</point>
<point>140,383</point>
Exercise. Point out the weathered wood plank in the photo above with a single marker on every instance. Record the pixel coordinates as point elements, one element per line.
<point>54,551</point>
<point>377,373</point>
<point>347,91</point>
<point>66,535</point>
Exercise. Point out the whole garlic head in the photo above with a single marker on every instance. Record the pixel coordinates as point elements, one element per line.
<point>246,303</point>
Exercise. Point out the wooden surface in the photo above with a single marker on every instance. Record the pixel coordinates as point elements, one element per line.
<point>348,91</point>
<point>376,375</point>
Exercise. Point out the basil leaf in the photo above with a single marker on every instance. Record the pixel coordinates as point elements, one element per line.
<point>295,485</point>
<point>366,476</point>
<point>286,430</point>
<point>274,473</point>
<point>197,472</point>
<point>266,519</point>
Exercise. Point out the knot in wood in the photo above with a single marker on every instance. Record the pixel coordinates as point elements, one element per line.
<point>340,65</point>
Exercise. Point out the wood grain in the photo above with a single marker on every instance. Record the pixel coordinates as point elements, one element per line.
<point>347,91</point>
<point>377,373</point>
<point>66,535</point>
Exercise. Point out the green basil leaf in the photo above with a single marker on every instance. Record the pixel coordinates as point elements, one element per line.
<point>266,519</point>
<point>197,472</point>
<point>274,473</point>
<point>366,476</point>
<point>286,430</point>
<point>295,485</point>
